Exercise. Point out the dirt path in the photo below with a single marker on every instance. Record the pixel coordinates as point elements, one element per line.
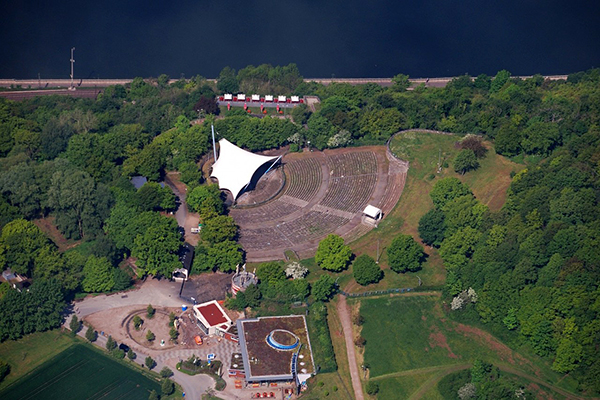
<point>443,370</point>
<point>344,314</point>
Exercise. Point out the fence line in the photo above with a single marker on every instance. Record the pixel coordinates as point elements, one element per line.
<point>376,292</point>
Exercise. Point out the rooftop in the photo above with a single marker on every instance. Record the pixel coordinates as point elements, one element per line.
<point>263,361</point>
<point>213,313</point>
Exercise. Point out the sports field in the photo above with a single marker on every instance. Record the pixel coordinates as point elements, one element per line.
<point>81,373</point>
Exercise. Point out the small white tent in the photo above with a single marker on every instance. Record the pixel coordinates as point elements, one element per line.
<point>235,167</point>
<point>372,212</point>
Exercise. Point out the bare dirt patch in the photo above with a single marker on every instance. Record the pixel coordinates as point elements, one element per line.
<point>504,352</point>
<point>48,226</point>
<point>438,339</point>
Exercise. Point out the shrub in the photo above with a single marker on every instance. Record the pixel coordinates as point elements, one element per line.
<point>150,311</point>
<point>322,347</point>
<point>153,395</point>
<point>173,334</point>
<point>172,319</point>
<point>117,353</point>
<point>150,363</point>
<point>150,336</point>
<point>365,270</point>
<point>137,322</point>
<point>372,388</point>
<point>4,370</point>
<point>91,334</point>
<point>74,325</point>
<point>110,343</point>
<point>360,341</point>
<point>167,387</point>
<point>131,355</point>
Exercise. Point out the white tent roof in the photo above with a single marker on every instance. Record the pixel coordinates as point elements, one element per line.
<point>235,166</point>
<point>372,211</point>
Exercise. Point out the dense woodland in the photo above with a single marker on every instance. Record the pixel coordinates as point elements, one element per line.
<point>529,270</point>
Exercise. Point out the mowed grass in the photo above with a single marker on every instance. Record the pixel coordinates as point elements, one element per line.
<point>409,341</point>
<point>25,354</point>
<point>80,372</point>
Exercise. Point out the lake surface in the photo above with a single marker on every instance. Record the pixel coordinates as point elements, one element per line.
<point>123,39</point>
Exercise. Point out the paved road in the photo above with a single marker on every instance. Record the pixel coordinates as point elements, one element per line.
<point>153,291</point>
<point>35,83</point>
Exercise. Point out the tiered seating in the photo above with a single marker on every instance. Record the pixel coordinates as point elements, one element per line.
<point>350,193</point>
<point>303,178</point>
<point>261,238</point>
<point>356,163</point>
<point>310,226</point>
<point>265,212</point>
<point>393,190</point>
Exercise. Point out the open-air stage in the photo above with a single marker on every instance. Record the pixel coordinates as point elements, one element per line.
<point>314,194</point>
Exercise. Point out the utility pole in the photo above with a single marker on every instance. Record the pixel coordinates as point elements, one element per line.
<point>377,260</point>
<point>213,138</point>
<point>72,64</point>
<point>39,81</point>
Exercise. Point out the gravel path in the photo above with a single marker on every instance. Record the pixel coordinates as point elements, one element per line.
<point>344,313</point>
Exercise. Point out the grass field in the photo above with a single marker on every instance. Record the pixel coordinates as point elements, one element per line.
<point>411,346</point>
<point>80,372</point>
<point>31,351</point>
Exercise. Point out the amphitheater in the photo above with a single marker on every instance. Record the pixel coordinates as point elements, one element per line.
<point>320,193</point>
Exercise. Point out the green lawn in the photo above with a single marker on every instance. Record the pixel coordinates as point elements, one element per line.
<point>27,353</point>
<point>411,345</point>
<point>80,372</point>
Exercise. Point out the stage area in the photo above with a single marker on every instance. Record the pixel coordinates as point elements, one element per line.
<point>323,192</point>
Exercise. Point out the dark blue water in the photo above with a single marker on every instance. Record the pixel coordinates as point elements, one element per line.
<point>120,38</point>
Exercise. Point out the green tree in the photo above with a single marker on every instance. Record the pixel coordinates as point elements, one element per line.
<point>166,372</point>
<point>226,255</point>
<point>447,189</point>
<point>499,80</point>
<point>324,288</point>
<point>167,387</point>
<point>150,336</point>
<point>110,343</point>
<point>131,355</point>
<point>156,249</point>
<point>332,254</point>
<point>74,325</point>
<point>219,229</point>
<point>400,82</point>
<point>98,275</point>
<point>227,81</point>
<point>365,270</point>
<point>137,322</point>
<point>150,311</point>
<point>20,242</point>
<point>404,254</point>
<point>153,395</point>
<point>271,272</point>
<point>432,227</point>
<point>153,197</point>
<point>150,363</point>
<point>91,334</point>
<point>465,161</point>
<point>173,334</point>
<point>204,199</point>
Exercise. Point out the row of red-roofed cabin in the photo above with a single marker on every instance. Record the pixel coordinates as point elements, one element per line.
<point>267,99</point>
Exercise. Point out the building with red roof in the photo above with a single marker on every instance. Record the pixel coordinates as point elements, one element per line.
<point>212,318</point>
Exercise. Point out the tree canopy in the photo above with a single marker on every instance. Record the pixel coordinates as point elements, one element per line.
<point>332,254</point>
